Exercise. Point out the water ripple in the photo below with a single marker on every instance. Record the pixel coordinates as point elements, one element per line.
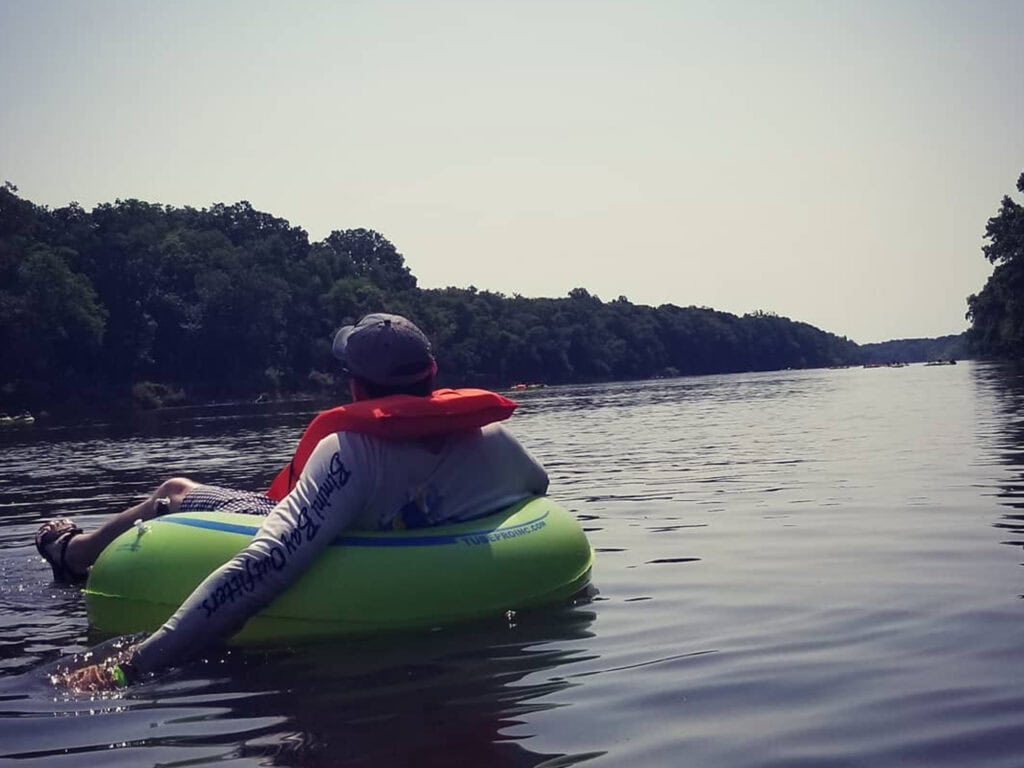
<point>801,568</point>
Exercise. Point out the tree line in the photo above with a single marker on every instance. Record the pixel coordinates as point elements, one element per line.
<point>164,304</point>
<point>941,348</point>
<point>997,311</point>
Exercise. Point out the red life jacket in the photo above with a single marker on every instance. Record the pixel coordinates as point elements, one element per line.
<point>397,417</point>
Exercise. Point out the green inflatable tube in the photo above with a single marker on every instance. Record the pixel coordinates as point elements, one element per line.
<point>532,554</point>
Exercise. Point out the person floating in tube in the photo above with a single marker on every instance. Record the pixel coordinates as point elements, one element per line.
<point>442,457</point>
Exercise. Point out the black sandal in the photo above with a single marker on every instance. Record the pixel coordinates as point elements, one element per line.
<point>60,533</point>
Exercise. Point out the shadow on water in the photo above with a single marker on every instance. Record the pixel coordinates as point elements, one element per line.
<point>439,698</point>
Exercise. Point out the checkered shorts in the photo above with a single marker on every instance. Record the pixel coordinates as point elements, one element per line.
<point>213,498</point>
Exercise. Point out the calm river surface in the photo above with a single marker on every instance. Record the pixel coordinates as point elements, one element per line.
<point>802,568</point>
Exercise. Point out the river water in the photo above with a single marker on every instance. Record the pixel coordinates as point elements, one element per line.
<point>800,568</point>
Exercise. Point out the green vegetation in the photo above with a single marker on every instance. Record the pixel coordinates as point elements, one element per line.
<point>162,305</point>
<point>915,350</point>
<point>997,312</point>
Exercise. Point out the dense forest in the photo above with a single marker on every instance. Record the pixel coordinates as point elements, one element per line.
<point>954,347</point>
<point>997,312</point>
<point>160,304</point>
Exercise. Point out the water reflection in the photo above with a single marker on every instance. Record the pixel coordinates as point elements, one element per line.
<point>771,385</point>
<point>1002,428</point>
<point>441,698</point>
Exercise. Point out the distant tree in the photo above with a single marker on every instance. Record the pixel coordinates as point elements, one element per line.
<point>951,347</point>
<point>997,312</point>
<point>368,254</point>
<point>582,294</point>
<point>17,216</point>
<point>51,326</point>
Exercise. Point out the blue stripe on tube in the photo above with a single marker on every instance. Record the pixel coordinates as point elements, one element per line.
<point>359,541</point>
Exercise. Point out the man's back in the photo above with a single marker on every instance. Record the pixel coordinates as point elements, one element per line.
<point>393,484</point>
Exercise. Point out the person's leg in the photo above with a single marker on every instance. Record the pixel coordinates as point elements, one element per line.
<point>75,552</point>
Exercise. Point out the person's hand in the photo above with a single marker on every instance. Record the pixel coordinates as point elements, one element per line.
<point>116,672</point>
<point>93,678</point>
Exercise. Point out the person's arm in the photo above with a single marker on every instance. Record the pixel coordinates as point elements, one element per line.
<point>537,477</point>
<point>330,493</point>
<point>534,477</point>
<point>324,501</point>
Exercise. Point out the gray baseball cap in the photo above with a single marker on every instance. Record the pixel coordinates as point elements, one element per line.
<point>385,349</point>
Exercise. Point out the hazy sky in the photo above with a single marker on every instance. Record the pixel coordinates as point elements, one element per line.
<point>834,162</point>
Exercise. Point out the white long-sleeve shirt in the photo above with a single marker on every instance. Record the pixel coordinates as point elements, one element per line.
<point>350,481</point>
